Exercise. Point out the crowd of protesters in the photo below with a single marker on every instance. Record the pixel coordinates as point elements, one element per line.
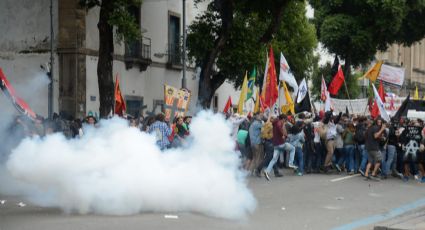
<point>327,143</point>
<point>306,143</point>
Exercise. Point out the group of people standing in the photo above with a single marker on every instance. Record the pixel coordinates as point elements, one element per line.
<point>306,143</point>
<point>327,143</point>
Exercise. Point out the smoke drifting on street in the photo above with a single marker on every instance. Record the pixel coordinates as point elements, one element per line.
<point>118,170</point>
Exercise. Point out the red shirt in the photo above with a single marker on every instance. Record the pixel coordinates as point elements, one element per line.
<point>278,133</point>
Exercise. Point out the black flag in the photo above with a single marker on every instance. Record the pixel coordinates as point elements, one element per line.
<point>346,111</point>
<point>304,105</point>
<point>402,111</point>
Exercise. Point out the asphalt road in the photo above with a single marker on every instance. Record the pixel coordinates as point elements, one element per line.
<point>291,202</point>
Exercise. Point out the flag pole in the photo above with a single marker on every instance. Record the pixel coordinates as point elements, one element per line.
<point>348,95</point>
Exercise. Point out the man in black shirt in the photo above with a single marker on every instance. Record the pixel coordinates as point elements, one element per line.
<point>373,136</point>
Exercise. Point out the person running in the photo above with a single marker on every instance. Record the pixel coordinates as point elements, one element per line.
<point>161,131</point>
<point>267,135</point>
<point>373,136</point>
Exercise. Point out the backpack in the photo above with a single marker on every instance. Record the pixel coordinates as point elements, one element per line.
<point>359,135</point>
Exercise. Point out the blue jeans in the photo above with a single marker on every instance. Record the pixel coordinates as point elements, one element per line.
<point>388,159</point>
<point>299,158</point>
<point>363,154</point>
<point>278,150</point>
<point>349,157</point>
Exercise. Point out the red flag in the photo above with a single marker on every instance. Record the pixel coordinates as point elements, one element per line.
<point>374,112</point>
<point>337,82</point>
<point>228,105</point>
<point>271,91</point>
<point>119,100</point>
<point>18,102</point>
<point>381,91</point>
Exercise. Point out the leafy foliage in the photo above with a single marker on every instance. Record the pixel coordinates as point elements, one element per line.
<point>326,72</point>
<point>356,30</point>
<point>119,17</point>
<point>295,37</point>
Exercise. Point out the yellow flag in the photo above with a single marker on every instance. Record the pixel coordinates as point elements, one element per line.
<point>257,102</point>
<point>372,73</point>
<point>289,106</point>
<point>242,97</point>
<point>416,96</point>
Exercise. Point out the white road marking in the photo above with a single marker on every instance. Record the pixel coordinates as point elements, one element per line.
<point>171,216</point>
<point>344,178</point>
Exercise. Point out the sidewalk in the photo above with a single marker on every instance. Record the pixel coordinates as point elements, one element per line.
<point>411,220</point>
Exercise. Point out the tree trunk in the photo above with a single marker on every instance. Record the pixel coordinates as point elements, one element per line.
<point>104,65</point>
<point>207,83</point>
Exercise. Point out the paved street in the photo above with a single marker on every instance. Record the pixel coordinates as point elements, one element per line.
<point>308,202</point>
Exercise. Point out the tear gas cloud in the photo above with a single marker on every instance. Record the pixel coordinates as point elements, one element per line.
<point>118,170</point>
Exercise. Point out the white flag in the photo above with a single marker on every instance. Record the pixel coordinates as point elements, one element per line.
<point>286,75</point>
<point>328,103</point>
<point>265,74</point>
<point>381,107</point>
<point>302,91</point>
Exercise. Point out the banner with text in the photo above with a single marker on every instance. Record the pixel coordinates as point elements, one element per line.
<point>392,104</point>
<point>392,75</point>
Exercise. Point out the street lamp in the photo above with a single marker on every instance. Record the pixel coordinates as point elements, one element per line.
<point>50,99</point>
<point>184,46</point>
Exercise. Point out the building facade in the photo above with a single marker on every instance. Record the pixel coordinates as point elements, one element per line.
<point>412,59</point>
<point>143,66</point>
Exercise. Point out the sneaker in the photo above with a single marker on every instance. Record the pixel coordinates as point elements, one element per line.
<point>361,172</point>
<point>278,175</point>
<point>293,167</point>
<point>405,179</point>
<point>417,177</point>
<point>299,173</point>
<point>267,176</point>
<point>384,177</point>
<point>257,173</point>
<point>351,173</point>
<point>338,168</point>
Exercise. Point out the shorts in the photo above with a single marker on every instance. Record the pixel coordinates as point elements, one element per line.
<point>374,156</point>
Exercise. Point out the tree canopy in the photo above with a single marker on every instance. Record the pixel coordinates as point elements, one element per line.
<point>356,30</point>
<point>226,42</point>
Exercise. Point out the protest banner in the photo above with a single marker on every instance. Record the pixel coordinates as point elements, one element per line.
<point>176,102</point>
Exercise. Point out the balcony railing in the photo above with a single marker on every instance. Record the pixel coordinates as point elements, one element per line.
<point>175,56</point>
<point>139,53</point>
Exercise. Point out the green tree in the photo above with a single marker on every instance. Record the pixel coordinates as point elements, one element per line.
<point>325,71</point>
<point>356,30</point>
<point>231,37</point>
<point>113,13</point>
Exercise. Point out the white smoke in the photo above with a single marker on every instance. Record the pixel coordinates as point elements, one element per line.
<point>115,169</point>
